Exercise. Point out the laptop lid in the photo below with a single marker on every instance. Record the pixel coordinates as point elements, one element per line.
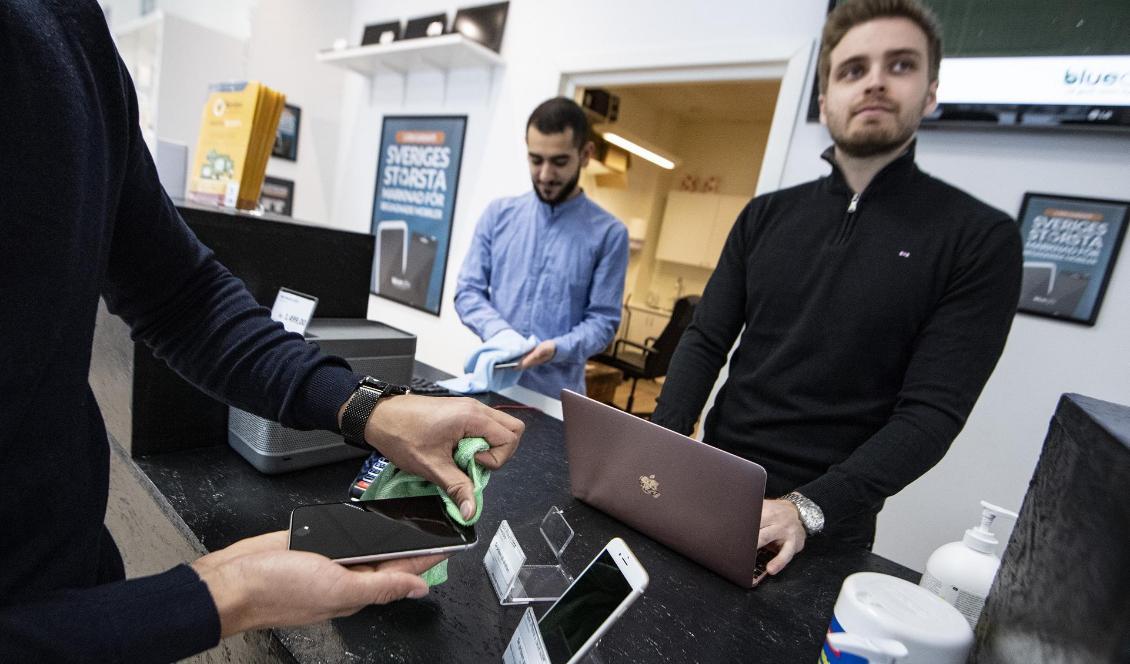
<point>699,500</point>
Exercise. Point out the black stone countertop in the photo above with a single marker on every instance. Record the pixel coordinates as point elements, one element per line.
<point>687,614</point>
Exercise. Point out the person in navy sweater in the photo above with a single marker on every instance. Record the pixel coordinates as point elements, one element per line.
<point>83,216</point>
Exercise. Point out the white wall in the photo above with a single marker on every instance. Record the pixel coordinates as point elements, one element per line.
<point>995,455</point>
<point>281,52</point>
<point>212,56</point>
<point>232,17</point>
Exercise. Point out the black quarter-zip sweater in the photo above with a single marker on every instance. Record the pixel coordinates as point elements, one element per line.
<point>871,323</point>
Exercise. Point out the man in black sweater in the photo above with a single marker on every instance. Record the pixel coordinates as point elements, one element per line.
<point>875,301</point>
<point>82,214</point>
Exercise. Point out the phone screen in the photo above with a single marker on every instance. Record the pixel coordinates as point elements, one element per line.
<point>390,256</point>
<point>376,527</point>
<point>421,258</point>
<point>580,612</point>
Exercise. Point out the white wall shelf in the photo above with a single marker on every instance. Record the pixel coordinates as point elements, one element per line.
<point>444,52</point>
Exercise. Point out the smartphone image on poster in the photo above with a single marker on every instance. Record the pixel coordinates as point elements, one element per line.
<point>391,252</point>
<point>372,530</point>
<point>418,273</point>
<point>592,603</point>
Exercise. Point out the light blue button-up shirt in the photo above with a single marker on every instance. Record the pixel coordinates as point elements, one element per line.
<point>556,272</point>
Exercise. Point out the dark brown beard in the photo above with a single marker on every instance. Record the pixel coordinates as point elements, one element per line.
<point>565,192</point>
<point>869,146</point>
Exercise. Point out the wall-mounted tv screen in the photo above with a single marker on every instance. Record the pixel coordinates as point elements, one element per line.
<point>1031,64</point>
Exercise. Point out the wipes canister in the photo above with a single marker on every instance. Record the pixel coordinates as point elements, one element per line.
<point>885,610</point>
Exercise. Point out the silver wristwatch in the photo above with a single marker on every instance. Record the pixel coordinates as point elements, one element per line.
<point>811,516</point>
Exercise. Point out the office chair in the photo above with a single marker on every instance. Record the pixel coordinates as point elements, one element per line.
<point>656,351</point>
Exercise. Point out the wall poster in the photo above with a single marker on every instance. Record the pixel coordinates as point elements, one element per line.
<point>277,195</point>
<point>1070,246</point>
<point>413,207</point>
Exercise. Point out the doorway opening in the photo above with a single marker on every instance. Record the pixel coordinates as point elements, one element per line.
<point>703,146</point>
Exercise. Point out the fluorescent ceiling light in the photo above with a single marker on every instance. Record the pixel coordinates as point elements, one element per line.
<point>640,151</point>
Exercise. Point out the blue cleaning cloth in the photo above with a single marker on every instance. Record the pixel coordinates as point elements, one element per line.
<point>505,346</point>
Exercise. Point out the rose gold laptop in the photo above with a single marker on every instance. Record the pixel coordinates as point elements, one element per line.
<point>699,500</point>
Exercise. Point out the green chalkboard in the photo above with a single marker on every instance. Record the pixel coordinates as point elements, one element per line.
<point>1033,27</point>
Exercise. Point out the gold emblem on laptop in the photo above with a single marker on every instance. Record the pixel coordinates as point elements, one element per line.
<point>649,485</point>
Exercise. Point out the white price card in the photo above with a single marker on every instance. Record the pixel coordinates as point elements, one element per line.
<point>526,646</point>
<point>503,560</point>
<point>293,309</point>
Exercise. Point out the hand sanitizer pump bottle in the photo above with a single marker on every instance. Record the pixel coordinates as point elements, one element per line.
<point>962,572</point>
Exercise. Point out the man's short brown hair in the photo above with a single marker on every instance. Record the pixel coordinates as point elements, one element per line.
<point>849,14</point>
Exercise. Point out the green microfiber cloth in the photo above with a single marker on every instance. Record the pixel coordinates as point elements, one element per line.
<point>396,483</point>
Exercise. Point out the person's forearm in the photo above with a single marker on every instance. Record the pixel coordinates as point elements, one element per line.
<point>690,377</point>
<point>230,595</point>
<point>163,617</point>
<point>705,344</point>
<point>588,338</point>
<point>200,319</point>
<point>478,314</point>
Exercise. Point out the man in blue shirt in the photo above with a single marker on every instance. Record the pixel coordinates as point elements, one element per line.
<point>548,263</point>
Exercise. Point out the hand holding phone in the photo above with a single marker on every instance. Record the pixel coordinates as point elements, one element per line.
<point>289,588</point>
<point>372,530</point>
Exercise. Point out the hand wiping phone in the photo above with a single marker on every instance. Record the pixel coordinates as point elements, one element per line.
<point>494,365</point>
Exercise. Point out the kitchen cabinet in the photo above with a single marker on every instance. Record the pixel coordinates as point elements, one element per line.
<point>695,227</point>
<point>645,323</point>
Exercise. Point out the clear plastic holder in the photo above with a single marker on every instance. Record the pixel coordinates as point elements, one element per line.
<point>532,583</point>
<point>527,646</point>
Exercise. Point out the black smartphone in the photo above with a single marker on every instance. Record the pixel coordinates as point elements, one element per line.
<point>372,530</point>
<point>760,568</point>
<point>391,254</point>
<point>418,272</point>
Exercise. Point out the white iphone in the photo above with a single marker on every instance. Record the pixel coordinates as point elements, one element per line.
<point>592,603</point>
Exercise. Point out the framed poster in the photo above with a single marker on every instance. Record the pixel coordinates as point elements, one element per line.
<point>277,195</point>
<point>413,207</point>
<point>1070,246</point>
<point>286,136</point>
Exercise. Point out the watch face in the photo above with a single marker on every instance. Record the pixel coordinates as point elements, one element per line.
<point>383,388</point>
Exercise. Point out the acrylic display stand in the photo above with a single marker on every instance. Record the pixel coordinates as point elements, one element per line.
<point>529,583</point>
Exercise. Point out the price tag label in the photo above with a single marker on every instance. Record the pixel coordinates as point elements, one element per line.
<point>294,310</point>
<point>231,194</point>
<point>526,646</point>
<point>503,560</point>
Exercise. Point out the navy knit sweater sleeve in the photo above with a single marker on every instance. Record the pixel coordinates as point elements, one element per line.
<point>82,215</point>
<point>201,320</point>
